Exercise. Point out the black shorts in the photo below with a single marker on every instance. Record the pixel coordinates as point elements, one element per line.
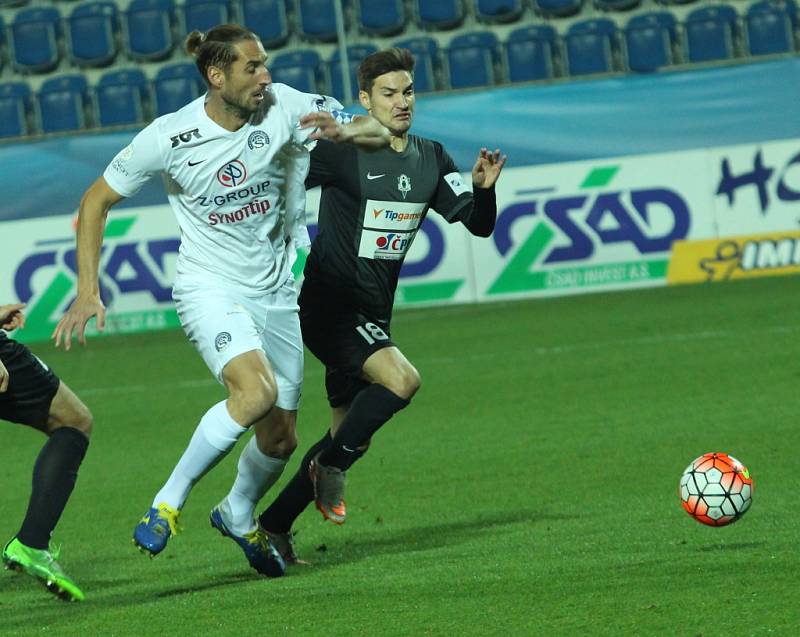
<point>342,338</point>
<point>31,385</point>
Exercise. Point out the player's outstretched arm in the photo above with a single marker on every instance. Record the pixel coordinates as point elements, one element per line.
<point>487,168</point>
<point>363,131</point>
<point>95,204</point>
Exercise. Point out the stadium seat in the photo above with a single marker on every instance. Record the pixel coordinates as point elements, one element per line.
<point>498,10</point>
<point>530,53</point>
<point>649,41</point>
<point>381,18</point>
<point>267,19</point>
<point>300,69</point>
<point>440,14</point>
<point>92,30</point>
<point>120,97</point>
<point>62,102</point>
<point>710,33</point>
<point>769,29</point>
<point>426,57</point>
<point>617,5</point>
<point>148,29</point>
<point>356,53</point>
<point>558,8</point>
<point>316,20</point>
<point>33,39</point>
<point>175,85</point>
<point>14,105</point>
<point>8,4</point>
<point>201,15</point>
<point>590,47</point>
<point>470,59</point>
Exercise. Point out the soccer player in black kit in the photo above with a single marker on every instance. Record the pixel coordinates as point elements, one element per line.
<point>31,394</point>
<point>372,206</point>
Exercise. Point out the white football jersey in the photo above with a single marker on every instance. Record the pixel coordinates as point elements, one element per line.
<point>239,197</point>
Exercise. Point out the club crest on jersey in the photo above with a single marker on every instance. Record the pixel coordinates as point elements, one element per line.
<point>258,139</point>
<point>222,341</point>
<point>404,185</point>
<point>232,174</point>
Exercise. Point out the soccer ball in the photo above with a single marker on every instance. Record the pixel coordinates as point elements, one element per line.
<point>716,489</point>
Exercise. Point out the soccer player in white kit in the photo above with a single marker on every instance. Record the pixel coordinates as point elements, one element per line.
<point>234,163</point>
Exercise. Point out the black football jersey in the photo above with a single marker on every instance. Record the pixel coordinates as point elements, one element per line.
<point>371,208</point>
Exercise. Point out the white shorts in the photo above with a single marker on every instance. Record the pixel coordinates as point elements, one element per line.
<point>223,324</point>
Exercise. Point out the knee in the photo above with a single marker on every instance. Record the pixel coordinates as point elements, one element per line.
<point>277,443</point>
<point>406,382</point>
<point>76,417</point>
<point>254,400</point>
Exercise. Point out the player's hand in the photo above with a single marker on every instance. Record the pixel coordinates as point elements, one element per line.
<point>487,168</point>
<point>76,317</point>
<point>326,126</point>
<point>3,376</point>
<point>11,316</point>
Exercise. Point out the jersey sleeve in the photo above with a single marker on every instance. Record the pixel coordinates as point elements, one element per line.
<point>327,160</point>
<point>296,104</point>
<point>136,163</point>
<point>452,193</point>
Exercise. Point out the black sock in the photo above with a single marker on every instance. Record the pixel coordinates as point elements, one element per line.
<point>296,495</point>
<point>372,407</point>
<point>54,475</point>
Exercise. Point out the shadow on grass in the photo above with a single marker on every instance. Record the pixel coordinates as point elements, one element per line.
<point>430,536</point>
<point>733,546</point>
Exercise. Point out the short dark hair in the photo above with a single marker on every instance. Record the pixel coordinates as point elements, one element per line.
<point>216,46</point>
<point>385,61</point>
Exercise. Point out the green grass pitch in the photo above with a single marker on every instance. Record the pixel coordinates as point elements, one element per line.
<point>530,488</point>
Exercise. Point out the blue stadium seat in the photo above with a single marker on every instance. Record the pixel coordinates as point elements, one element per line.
<point>381,17</point>
<point>201,15</point>
<point>617,5</point>
<point>498,10</point>
<point>300,69</point>
<point>62,102</point>
<point>7,4</point>
<point>590,47</point>
<point>14,105</point>
<point>33,39</point>
<point>440,14</point>
<point>267,19</point>
<point>148,29</point>
<point>316,20</point>
<point>769,29</point>
<point>426,57</point>
<point>470,58</point>
<point>558,8</point>
<point>530,52</point>
<point>355,53</point>
<point>120,97</point>
<point>710,33</point>
<point>92,29</point>
<point>649,41</point>
<point>2,41</point>
<point>175,85</point>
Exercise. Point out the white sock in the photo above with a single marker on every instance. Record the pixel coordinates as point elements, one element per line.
<point>214,437</point>
<point>257,473</point>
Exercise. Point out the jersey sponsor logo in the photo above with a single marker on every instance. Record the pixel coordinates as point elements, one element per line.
<point>252,209</point>
<point>257,139</point>
<point>371,176</point>
<point>233,197</point>
<point>456,183</point>
<point>185,136</point>
<point>384,245</point>
<point>232,174</point>
<point>393,215</point>
<point>222,340</point>
<point>404,184</point>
